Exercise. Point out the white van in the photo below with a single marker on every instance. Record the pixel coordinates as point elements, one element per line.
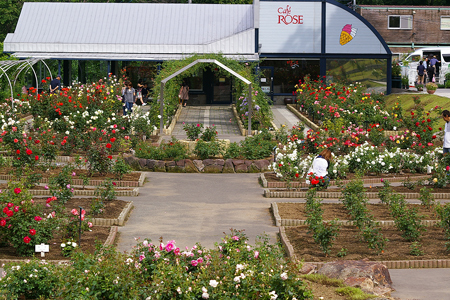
<point>442,55</point>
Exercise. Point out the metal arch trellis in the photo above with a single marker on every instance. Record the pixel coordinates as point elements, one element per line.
<point>21,65</point>
<point>165,80</point>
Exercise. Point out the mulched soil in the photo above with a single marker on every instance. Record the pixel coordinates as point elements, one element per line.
<point>111,210</point>
<point>296,211</point>
<point>432,241</point>
<point>88,242</point>
<point>51,172</point>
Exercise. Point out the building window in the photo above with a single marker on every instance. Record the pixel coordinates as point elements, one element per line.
<point>445,23</point>
<point>400,22</point>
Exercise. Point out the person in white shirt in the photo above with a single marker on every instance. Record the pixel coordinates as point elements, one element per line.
<point>446,117</point>
<point>321,163</point>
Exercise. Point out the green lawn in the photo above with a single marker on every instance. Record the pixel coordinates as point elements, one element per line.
<point>407,101</point>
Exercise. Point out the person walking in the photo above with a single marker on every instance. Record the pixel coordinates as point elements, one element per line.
<point>129,97</point>
<point>420,72</point>
<point>139,100</point>
<point>184,93</point>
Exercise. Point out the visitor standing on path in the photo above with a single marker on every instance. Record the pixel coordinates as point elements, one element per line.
<point>55,84</point>
<point>129,97</point>
<point>420,72</point>
<point>184,93</point>
<point>446,117</point>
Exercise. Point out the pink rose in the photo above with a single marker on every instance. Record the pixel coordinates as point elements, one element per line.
<point>194,263</point>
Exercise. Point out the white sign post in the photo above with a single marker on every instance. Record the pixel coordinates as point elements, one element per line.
<point>42,248</point>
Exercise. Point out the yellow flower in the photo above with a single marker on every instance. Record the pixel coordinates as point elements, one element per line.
<point>435,180</point>
<point>395,115</point>
<point>283,125</point>
<point>398,142</point>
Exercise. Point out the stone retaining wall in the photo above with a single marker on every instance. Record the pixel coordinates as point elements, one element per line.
<point>200,166</point>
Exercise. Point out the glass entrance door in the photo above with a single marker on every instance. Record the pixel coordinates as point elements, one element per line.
<point>266,80</point>
<point>222,90</point>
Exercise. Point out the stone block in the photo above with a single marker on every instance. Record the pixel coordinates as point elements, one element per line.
<point>241,168</point>
<point>170,163</point>
<point>262,164</point>
<point>180,163</point>
<point>151,163</point>
<point>228,166</point>
<point>189,167</point>
<point>238,162</point>
<point>199,165</point>
<point>213,169</point>
<point>207,162</point>
<point>142,163</point>
<point>219,162</point>
<point>160,166</point>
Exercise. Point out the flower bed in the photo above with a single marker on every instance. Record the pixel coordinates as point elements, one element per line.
<point>433,246</point>
<point>155,269</point>
<point>294,214</point>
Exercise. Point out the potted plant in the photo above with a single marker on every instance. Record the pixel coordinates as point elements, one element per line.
<point>405,82</point>
<point>431,87</point>
<point>420,87</point>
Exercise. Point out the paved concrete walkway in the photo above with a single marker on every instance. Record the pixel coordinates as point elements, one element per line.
<point>191,208</point>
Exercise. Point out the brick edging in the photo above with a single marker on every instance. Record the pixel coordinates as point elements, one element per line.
<point>119,221</point>
<point>282,184</point>
<point>92,182</point>
<point>390,264</point>
<point>119,192</point>
<point>109,241</point>
<point>336,195</point>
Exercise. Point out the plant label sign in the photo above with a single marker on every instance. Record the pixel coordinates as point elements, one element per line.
<point>42,248</point>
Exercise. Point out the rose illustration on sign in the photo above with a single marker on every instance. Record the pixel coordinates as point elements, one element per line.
<point>347,34</point>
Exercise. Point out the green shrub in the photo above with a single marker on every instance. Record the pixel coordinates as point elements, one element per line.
<point>209,134</point>
<point>233,151</point>
<point>256,147</point>
<point>204,150</point>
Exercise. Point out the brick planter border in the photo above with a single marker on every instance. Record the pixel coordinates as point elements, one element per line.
<point>390,264</point>
<point>120,221</point>
<point>296,222</point>
<point>92,182</point>
<point>282,184</point>
<point>335,195</point>
<point>119,192</point>
<point>109,241</point>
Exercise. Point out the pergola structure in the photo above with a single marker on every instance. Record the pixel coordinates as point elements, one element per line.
<point>17,66</point>
<point>165,80</point>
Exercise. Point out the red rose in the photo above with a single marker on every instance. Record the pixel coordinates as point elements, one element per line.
<point>417,123</point>
<point>37,141</point>
<point>36,157</point>
<point>29,152</point>
<point>113,140</point>
<point>17,190</point>
<point>110,156</point>
<point>108,146</point>
<point>18,151</point>
<point>38,218</point>
<point>10,213</point>
<point>26,240</point>
<point>428,120</point>
<point>2,223</point>
<point>433,137</point>
<point>296,175</point>
<point>32,231</point>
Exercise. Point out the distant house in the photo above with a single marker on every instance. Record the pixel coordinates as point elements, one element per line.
<point>406,28</point>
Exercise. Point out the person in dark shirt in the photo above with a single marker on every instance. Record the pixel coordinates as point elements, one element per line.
<point>145,93</point>
<point>420,72</point>
<point>55,84</point>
